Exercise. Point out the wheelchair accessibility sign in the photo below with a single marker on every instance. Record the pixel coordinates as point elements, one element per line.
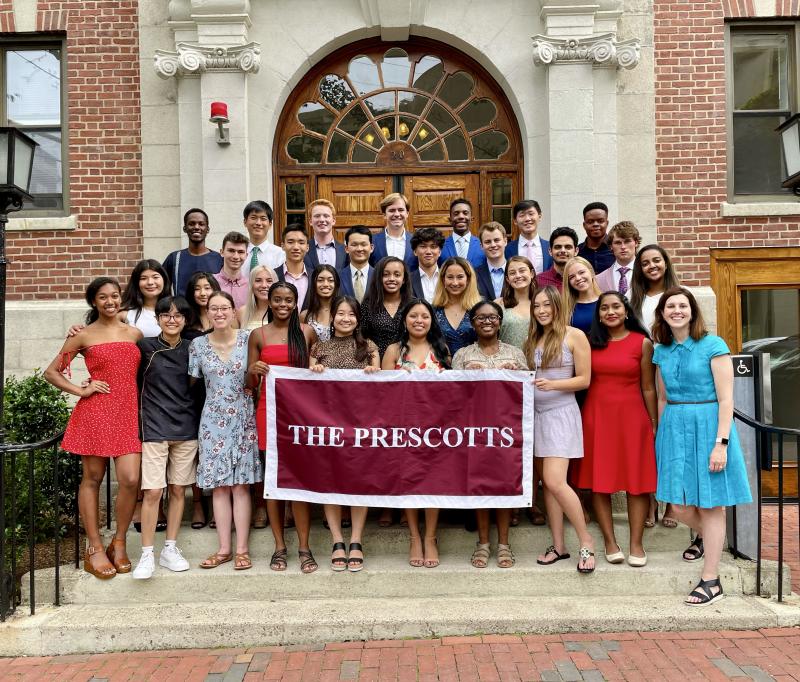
<point>742,365</point>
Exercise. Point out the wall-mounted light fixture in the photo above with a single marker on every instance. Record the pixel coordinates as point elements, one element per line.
<point>219,115</point>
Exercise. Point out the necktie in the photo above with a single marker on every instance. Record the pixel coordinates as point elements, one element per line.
<point>623,280</point>
<point>529,251</point>
<point>461,247</point>
<point>358,286</point>
<point>254,257</point>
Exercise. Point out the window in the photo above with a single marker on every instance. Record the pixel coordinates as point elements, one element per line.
<point>32,79</point>
<point>761,95</point>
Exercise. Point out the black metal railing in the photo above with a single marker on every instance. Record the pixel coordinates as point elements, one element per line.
<point>769,441</point>
<point>10,456</point>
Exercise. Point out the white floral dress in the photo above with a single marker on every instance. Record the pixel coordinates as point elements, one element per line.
<point>227,438</point>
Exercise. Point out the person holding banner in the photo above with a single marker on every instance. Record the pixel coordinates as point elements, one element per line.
<point>229,461</point>
<point>346,349</point>
<point>561,357</point>
<point>284,342</point>
<point>421,347</point>
<point>388,292</point>
<point>456,293</point>
<point>323,289</point>
<point>489,352</point>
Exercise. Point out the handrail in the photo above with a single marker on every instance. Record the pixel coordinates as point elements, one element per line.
<point>25,447</point>
<point>761,426</point>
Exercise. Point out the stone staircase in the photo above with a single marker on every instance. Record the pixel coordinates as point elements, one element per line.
<point>388,599</point>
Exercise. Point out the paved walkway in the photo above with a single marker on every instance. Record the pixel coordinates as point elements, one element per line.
<point>652,656</point>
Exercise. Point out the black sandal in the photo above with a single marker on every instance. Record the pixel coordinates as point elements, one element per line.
<point>278,561</point>
<point>552,550</point>
<point>354,563</point>
<point>695,550</point>
<point>703,592</point>
<point>585,553</point>
<point>339,563</point>
<point>307,562</point>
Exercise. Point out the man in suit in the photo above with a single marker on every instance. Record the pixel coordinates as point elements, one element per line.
<point>462,243</point>
<point>324,249</point>
<point>356,276</point>
<point>623,239</point>
<point>427,244</point>
<point>394,239</point>
<point>595,248</point>
<point>294,271</point>
<point>491,274</point>
<point>527,214</point>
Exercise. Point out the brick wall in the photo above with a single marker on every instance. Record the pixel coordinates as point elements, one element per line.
<point>105,172</point>
<point>691,182</point>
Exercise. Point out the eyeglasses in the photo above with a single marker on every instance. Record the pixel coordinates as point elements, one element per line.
<point>487,318</point>
<point>177,317</point>
<point>219,309</point>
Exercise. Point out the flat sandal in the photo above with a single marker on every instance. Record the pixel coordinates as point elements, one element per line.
<point>216,559</point>
<point>307,562</point>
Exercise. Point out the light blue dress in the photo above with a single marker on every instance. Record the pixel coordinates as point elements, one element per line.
<point>227,439</point>
<point>687,432</point>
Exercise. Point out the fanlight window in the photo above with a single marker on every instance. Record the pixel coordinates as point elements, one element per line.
<point>397,100</point>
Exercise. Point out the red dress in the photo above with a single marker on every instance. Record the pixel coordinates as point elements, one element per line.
<point>618,442</point>
<point>107,424</point>
<point>273,354</point>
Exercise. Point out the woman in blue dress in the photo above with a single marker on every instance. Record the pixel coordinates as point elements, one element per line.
<point>580,293</point>
<point>456,293</point>
<point>700,462</point>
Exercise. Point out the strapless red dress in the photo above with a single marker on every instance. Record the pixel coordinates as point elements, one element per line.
<point>107,424</point>
<point>274,354</point>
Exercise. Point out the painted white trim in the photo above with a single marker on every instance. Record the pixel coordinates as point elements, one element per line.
<point>767,208</point>
<point>69,222</point>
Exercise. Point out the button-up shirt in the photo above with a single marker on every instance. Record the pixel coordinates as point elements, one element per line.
<point>428,284</point>
<point>615,273</point>
<point>268,254</point>
<point>326,253</point>
<point>396,246</point>
<point>550,277</point>
<point>498,274</point>
<point>300,282</point>
<point>535,255</point>
<point>236,287</point>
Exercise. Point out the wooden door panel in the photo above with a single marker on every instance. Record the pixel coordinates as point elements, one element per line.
<point>430,197</point>
<point>357,199</point>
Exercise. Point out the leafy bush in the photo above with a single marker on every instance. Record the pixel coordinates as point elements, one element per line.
<point>34,410</point>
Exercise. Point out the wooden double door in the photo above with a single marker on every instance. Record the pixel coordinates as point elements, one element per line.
<point>357,198</point>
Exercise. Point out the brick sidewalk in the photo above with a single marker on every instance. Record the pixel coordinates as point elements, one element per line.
<point>651,656</point>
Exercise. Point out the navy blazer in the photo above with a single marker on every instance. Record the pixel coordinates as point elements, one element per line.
<point>279,271</point>
<point>379,250</point>
<point>475,254</point>
<point>312,261</point>
<point>512,249</point>
<point>485,286</point>
<point>416,284</point>
<point>346,281</point>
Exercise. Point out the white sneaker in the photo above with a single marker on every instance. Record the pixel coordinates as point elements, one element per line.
<point>172,559</point>
<point>144,569</point>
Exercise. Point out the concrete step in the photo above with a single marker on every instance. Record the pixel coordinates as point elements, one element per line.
<point>87,628</point>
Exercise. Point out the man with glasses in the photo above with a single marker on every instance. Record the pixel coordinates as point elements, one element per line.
<point>563,246</point>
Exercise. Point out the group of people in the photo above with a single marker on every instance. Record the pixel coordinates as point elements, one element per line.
<point>177,361</point>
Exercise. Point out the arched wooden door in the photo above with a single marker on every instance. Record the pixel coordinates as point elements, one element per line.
<point>416,117</point>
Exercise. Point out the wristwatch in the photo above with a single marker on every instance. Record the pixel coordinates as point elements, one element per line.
<point>721,441</point>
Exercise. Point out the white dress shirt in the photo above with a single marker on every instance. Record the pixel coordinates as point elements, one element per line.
<point>326,253</point>
<point>428,284</point>
<point>270,255</point>
<point>535,255</point>
<point>396,246</point>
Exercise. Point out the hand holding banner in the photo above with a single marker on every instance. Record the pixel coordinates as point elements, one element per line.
<point>456,439</point>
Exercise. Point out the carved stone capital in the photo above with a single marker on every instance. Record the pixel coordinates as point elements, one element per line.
<point>196,59</point>
<point>601,49</point>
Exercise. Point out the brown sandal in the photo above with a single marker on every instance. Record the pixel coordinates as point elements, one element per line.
<point>242,562</point>
<point>480,557</point>
<point>118,557</point>
<point>216,559</point>
<point>505,557</point>
<point>103,572</point>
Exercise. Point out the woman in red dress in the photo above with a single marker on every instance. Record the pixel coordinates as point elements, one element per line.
<point>104,423</point>
<point>619,423</point>
<point>283,342</point>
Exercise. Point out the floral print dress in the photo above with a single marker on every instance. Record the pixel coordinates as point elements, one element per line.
<point>227,439</point>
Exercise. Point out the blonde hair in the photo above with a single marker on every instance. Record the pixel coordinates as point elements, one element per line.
<point>551,338</point>
<point>321,202</point>
<point>251,307</point>
<point>469,297</point>
<point>389,199</point>
<point>568,296</point>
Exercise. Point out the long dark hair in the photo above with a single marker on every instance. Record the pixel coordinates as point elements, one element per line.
<point>640,283</point>
<point>314,301</point>
<point>435,337</point>
<point>197,314</point>
<point>373,299</point>
<point>132,298</point>
<point>361,353</point>
<point>598,334</point>
<point>298,348</point>
<point>91,293</point>
<point>507,294</point>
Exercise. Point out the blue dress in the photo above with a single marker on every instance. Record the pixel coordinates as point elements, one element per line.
<point>464,335</point>
<point>687,432</point>
<point>227,439</point>
<point>582,316</point>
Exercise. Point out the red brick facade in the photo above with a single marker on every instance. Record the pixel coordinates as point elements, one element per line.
<point>105,162</point>
<point>691,164</point>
